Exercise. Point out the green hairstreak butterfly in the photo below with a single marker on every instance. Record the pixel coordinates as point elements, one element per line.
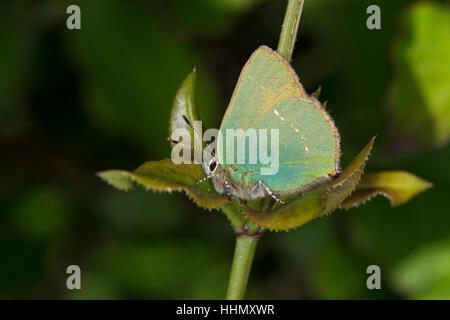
<point>268,95</point>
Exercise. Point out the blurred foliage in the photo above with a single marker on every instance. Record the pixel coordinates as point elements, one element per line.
<point>51,218</point>
<point>76,102</point>
<point>420,94</point>
<point>126,43</point>
<point>217,15</point>
<point>425,274</point>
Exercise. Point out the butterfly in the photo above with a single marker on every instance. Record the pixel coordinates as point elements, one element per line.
<point>269,95</point>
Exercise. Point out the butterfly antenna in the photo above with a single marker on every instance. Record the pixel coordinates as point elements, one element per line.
<point>186,120</point>
<point>191,126</point>
<point>184,144</point>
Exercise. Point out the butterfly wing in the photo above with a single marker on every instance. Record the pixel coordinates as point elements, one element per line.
<point>268,96</point>
<point>308,146</point>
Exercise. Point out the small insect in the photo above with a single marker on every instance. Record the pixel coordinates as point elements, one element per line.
<point>268,95</point>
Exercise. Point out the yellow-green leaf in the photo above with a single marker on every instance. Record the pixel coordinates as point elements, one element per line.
<point>167,176</point>
<point>398,186</point>
<point>119,179</point>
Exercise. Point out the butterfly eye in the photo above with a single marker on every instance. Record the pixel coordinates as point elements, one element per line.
<point>212,166</point>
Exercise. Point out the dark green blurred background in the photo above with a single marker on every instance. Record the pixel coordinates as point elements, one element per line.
<point>76,102</point>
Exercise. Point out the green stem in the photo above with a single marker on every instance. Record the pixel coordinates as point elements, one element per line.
<point>233,212</point>
<point>289,30</point>
<point>242,263</point>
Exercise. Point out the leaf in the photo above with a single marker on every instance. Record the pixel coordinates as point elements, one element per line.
<point>322,200</point>
<point>316,94</point>
<point>291,215</point>
<point>398,186</point>
<point>341,187</point>
<point>184,106</point>
<point>420,95</point>
<point>119,179</point>
<point>167,176</point>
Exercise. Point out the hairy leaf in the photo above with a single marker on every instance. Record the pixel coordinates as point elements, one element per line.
<point>398,186</point>
<point>341,187</point>
<point>291,215</point>
<point>167,176</point>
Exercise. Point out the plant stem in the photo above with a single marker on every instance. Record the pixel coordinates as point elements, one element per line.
<point>289,30</point>
<point>242,263</point>
<point>233,212</point>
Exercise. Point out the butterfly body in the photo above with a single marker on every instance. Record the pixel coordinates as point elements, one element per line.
<point>268,97</point>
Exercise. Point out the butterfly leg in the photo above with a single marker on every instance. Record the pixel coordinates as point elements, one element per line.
<point>205,178</point>
<point>270,193</point>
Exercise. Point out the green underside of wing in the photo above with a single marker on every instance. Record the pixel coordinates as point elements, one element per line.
<point>307,147</point>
